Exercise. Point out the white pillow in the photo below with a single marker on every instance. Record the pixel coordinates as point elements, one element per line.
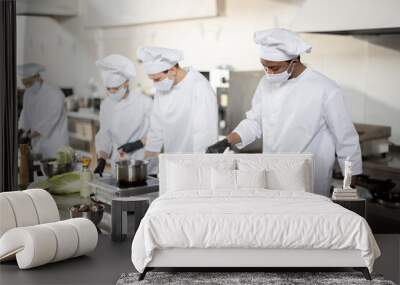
<point>293,178</point>
<point>182,177</point>
<point>193,174</point>
<point>251,178</point>
<point>223,179</point>
<point>281,174</point>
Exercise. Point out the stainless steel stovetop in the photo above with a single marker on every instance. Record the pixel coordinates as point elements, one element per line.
<point>106,188</point>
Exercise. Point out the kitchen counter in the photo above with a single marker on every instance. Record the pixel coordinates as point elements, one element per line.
<point>84,113</point>
<point>390,164</point>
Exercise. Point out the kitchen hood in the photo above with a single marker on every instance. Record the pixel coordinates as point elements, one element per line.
<point>348,17</point>
<point>65,8</point>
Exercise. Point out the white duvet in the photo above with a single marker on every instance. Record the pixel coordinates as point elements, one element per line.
<point>250,219</point>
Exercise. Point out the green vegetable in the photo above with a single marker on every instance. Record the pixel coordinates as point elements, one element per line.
<point>65,155</point>
<point>44,184</point>
<point>63,184</point>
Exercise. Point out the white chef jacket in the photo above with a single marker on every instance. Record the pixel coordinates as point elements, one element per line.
<point>184,120</point>
<point>121,122</point>
<point>44,112</point>
<point>306,114</point>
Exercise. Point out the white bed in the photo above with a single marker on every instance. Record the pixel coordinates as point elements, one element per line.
<point>199,225</point>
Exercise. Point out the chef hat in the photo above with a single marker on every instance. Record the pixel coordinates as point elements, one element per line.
<point>280,44</point>
<point>157,59</point>
<point>116,69</point>
<point>29,69</point>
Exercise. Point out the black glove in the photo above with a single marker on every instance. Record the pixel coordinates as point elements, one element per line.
<point>218,147</point>
<point>24,137</point>
<point>101,164</point>
<point>131,147</point>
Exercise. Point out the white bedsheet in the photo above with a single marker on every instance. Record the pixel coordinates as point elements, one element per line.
<point>250,219</point>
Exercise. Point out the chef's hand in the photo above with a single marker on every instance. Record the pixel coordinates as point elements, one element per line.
<point>131,147</point>
<point>218,147</point>
<point>23,137</point>
<point>101,164</point>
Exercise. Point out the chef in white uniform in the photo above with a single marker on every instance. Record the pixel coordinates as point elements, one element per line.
<point>43,115</point>
<point>124,114</point>
<point>184,117</point>
<point>297,109</point>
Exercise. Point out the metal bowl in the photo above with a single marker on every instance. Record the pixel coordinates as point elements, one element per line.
<point>95,215</point>
<point>51,167</point>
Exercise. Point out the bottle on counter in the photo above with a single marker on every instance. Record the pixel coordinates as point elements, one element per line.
<point>86,176</point>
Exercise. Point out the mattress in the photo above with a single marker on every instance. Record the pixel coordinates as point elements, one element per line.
<point>250,219</point>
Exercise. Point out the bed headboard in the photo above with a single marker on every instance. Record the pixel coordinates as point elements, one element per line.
<point>215,158</point>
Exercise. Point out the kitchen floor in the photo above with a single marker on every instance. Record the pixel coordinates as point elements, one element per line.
<point>102,266</point>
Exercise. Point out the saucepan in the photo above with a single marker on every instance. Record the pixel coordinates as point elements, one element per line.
<point>130,173</point>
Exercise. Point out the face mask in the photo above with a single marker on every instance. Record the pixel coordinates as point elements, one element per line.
<point>164,85</point>
<point>279,77</point>
<point>34,88</point>
<point>117,96</point>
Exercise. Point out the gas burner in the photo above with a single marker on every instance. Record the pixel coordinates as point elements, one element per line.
<point>125,184</point>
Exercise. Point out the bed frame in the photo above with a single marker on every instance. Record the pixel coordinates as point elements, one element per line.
<point>248,259</point>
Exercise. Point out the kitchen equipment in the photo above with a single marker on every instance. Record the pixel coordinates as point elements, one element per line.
<point>131,173</point>
<point>96,104</point>
<point>118,201</point>
<point>106,189</point>
<point>374,139</point>
<point>72,104</point>
<point>51,167</point>
<point>92,211</point>
<point>242,85</point>
<point>85,102</point>
<point>68,91</point>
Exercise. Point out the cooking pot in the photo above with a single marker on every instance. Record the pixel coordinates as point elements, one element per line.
<point>130,173</point>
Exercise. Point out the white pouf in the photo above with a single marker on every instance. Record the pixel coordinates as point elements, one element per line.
<point>23,208</point>
<point>66,237</point>
<point>37,245</point>
<point>32,246</point>
<point>45,205</point>
<point>30,230</point>
<point>87,235</point>
<point>7,218</point>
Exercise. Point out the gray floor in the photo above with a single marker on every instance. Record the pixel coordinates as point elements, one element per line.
<point>102,266</point>
<point>111,259</point>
